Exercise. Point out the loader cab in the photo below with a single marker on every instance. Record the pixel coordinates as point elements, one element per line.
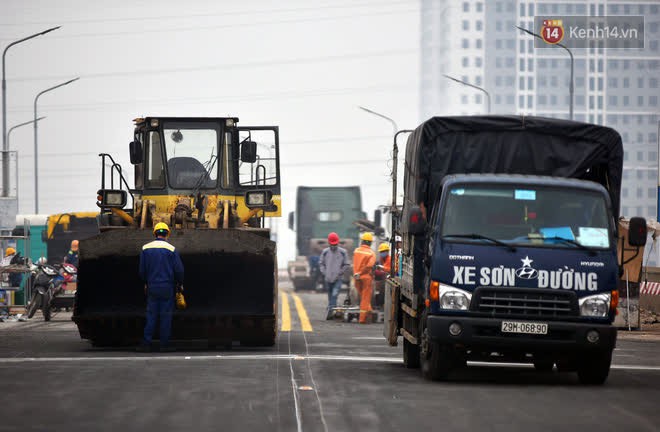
<point>210,156</point>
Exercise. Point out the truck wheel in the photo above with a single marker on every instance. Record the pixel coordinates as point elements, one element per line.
<point>593,369</point>
<point>410,355</point>
<point>436,361</point>
<point>543,364</point>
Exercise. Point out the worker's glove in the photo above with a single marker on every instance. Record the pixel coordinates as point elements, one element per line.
<point>356,276</point>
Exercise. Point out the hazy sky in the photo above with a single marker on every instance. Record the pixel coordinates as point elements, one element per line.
<point>302,65</point>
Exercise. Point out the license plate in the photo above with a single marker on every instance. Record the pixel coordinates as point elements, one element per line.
<point>524,327</point>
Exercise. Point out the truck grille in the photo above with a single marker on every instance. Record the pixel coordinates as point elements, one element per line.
<point>524,302</point>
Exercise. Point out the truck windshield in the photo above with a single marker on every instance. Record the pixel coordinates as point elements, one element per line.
<point>528,215</point>
<point>191,150</point>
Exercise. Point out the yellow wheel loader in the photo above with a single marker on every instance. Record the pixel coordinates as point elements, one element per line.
<point>214,183</point>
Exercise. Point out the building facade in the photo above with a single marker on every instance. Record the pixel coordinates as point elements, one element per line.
<point>477,41</point>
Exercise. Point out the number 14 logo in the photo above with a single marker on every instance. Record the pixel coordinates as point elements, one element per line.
<point>552,31</point>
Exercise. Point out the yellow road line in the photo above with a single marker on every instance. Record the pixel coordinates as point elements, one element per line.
<point>302,314</point>
<point>286,313</point>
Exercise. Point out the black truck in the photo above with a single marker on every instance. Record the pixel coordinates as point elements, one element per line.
<point>510,233</point>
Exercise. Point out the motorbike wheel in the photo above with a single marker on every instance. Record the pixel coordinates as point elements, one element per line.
<point>35,303</point>
<point>46,308</point>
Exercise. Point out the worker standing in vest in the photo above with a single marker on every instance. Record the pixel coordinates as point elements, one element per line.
<point>364,259</point>
<point>162,271</point>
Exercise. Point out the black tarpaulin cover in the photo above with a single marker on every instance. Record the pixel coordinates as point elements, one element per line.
<point>512,145</point>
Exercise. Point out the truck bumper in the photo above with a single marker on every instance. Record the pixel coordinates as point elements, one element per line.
<point>486,334</point>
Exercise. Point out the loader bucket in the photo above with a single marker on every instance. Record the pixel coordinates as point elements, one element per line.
<point>230,287</point>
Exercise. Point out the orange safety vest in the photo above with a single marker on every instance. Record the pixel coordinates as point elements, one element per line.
<point>363,260</point>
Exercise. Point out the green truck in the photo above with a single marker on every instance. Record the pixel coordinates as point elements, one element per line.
<point>320,211</point>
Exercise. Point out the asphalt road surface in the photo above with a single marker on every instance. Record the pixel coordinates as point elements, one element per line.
<point>321,376</point>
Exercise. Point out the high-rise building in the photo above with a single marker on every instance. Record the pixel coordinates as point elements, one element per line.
<point>477,41</point>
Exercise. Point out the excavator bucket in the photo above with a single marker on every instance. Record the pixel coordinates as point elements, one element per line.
<point>230,287</point>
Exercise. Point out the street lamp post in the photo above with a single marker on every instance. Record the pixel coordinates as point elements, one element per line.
<point>381,116</point>
<point>474,87</point>
<point>570,85</point>
<point>395,131</point>
<point>19,125</point>
<point>5,147</point>
<point>9,136</point>
<point>395,154</point>
<point>36,149</point>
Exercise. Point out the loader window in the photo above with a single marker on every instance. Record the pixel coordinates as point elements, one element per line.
<point>191,155</point>
<point>263,172</point>
<point>155,169</point>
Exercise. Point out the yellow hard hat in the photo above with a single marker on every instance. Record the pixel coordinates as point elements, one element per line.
<point>10,251</point>
<point>367,236</point>
<point>383,247</point>
<point>161,226</point>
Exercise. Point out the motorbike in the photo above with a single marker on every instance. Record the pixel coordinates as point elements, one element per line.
<point>48,282</point>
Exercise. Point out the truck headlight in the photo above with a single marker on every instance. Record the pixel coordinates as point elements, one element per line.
<point>454,298</point>
<point>595,306</point>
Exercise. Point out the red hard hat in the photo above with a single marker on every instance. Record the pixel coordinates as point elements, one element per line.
<point>333,238</point>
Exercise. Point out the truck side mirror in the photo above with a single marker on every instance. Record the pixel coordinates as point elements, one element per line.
<point>135,151</point>
<point>291,221</point>
<point>637,231</point>
<point>249,151</point>
<point>416,221</point>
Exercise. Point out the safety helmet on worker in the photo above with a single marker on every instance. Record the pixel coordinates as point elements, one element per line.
<point>10,251</point>
<point>383,247</point>
<point>161,229</point>
<point>333,239</point>
<point>367,237</point>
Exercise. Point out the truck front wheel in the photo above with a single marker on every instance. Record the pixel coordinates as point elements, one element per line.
<point>436,361</point>
<point>593,369</point>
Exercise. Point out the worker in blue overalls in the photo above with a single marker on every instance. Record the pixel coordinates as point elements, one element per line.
<point>161,270</point>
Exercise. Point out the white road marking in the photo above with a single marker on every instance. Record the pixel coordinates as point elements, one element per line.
<point>380,338</point>
<point>371,359</point>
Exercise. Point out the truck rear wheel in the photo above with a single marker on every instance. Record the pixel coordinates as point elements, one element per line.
<point>410,354</point>
<point>593,369</point>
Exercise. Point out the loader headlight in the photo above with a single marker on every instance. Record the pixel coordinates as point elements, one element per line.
<point>111,198</point>
<point>258,199</point>
<point>595,306</point>
<point>454,298</point>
